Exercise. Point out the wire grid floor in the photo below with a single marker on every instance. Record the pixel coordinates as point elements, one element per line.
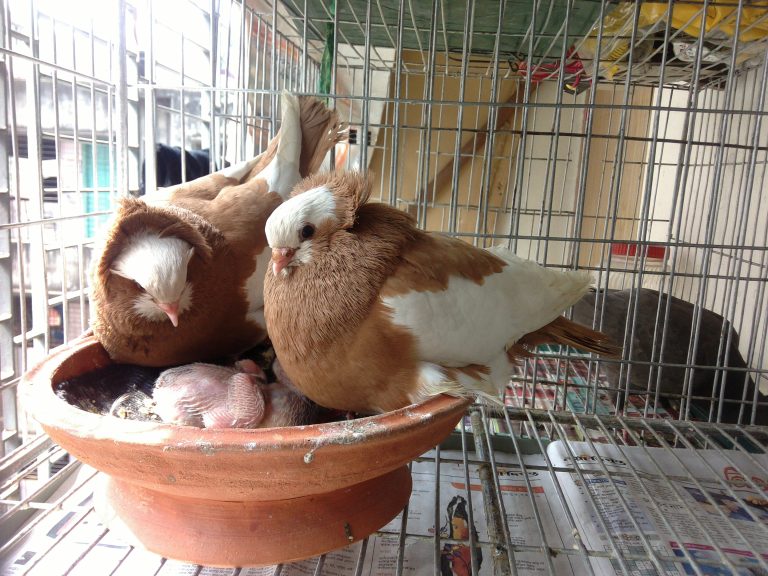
<point>561,378</point>
<point>581,494</point>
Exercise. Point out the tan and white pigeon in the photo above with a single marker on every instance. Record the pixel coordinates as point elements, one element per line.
<point>180,276</point>
<point>367,313</point>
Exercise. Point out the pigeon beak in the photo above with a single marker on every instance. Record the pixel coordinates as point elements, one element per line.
<point>172,310</point>
<point>281,257</point>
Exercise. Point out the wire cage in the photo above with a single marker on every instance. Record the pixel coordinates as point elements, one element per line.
<point>622,138</point>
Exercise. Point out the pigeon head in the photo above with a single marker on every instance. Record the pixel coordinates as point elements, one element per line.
<point>320,206</point>
<point>158,265</point>
<point>148,258</point>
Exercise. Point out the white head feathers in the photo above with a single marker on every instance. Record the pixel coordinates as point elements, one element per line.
<point>315,207</point>
<point>159,265</point>
<point>292,225</point>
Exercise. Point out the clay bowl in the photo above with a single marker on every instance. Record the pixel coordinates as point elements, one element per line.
<point>237,497</point>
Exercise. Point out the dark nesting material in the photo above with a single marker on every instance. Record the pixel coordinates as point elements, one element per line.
<point>97,390</point>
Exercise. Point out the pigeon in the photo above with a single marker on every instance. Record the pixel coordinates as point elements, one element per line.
<point>369,314</point>
<point>613,305</point>
<point>168,165</point>
<point>179,278</point>
<point>287,406</point>
<point>213,396</point>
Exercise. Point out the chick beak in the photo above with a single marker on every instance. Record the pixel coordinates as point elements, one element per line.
<point>172,310</point>
<point>281,257</point>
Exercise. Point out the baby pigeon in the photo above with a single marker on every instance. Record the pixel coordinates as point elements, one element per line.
<point>213,396</point>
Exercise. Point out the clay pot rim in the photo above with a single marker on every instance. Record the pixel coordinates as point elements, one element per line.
<point>53,412</point>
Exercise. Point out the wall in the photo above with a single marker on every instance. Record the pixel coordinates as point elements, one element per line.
<point>426,156</point>
<point>724,212</point>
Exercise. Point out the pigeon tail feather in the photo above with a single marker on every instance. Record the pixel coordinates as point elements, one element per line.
<point>282,172</point>
<point>321,130</point>
<point>568,333</point>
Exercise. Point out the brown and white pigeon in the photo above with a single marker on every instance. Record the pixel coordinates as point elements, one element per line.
<point>214,396</point>
<point>367,313</point>
<point>180,276</point>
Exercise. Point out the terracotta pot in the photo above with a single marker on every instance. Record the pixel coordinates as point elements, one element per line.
<point>236,497</point>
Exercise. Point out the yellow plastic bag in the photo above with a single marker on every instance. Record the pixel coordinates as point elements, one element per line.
<point>687,17</point>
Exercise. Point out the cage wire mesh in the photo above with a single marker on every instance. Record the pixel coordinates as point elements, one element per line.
<point>626,139</point>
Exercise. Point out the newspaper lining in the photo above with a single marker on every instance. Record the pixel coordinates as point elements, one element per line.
<point>654,484</point>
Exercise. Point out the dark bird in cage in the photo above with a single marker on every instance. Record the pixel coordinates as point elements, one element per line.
<point>726,367</point>
<point>367,313</point>
<point>168,165</point>
<point>214,396</point>
<point>180,276</point>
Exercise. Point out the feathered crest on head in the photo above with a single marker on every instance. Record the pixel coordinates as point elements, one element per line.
<point>350,189</point>
<point>135,216</point>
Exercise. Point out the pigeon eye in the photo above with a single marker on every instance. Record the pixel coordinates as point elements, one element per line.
<point>307,232</point>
